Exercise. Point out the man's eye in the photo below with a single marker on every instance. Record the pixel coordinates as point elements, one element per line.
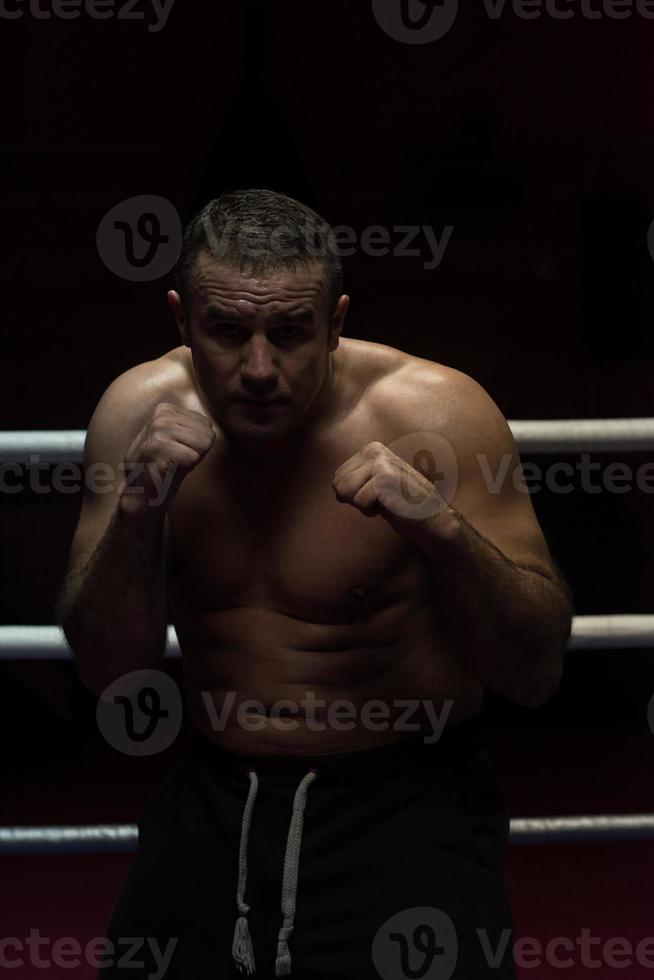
<point>229,329</point>
<point>288,332</point>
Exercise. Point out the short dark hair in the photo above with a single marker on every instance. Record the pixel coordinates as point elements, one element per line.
<point>259,231</point>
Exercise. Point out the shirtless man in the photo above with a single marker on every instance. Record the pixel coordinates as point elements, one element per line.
<point>304,562</point>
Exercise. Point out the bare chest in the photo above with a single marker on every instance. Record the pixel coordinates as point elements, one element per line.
<point>280,538</point>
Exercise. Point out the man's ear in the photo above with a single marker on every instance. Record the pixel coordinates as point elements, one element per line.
<point>337,322</point>
<point>177,309</point>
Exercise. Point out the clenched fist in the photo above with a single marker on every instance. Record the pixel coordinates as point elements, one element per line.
<point>378,482</point>
<point>172,444</point>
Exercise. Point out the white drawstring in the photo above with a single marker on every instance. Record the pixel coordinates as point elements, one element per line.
<point>289,881</point>
<point>242,949</point>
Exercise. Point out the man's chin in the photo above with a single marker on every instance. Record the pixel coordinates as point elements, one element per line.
<point>262,428</point>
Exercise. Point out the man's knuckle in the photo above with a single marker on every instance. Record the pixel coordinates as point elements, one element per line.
<point>157,441</point>
<point>189,456</point>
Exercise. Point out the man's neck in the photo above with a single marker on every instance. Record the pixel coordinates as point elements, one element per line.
<point>288,447</point>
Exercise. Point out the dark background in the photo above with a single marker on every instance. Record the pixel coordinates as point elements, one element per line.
<point>533,139</point>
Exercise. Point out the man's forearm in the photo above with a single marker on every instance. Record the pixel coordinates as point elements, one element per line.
<point>113,610</point>
<point>510,624</point>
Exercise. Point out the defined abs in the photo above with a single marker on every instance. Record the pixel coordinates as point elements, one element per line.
<point>257,683</point>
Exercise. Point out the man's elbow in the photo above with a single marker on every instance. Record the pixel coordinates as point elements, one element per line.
<point>98,678</point>
<point>544,677</point>
<point>101,663</point>
<point>536,696</point>
<point>538,688</point>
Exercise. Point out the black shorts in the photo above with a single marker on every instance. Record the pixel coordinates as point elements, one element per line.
<point>388,862</point>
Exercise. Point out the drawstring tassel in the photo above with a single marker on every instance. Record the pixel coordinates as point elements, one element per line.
<point>283,960</point>
<point>242,949</point>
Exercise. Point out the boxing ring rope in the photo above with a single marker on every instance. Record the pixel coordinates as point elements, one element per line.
<point>50,446</point>
<point>618,632</point>
<point>583,435</point>
<point>589,632</point>
<point>123,838</point>
<point>531,435</point>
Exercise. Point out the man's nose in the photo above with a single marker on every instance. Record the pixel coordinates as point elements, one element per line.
<point>259,369</point>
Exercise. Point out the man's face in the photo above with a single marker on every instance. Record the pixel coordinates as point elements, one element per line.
<point>260,344</point>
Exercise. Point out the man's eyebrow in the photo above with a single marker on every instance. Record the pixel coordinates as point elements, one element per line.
<point>212,310</point>
<point>296,316</point>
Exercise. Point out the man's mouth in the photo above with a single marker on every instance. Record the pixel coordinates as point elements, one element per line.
<point>259,403</point>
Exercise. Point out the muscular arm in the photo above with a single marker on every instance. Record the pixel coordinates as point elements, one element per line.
<point>507,607</point>
<point>112,608</point>
<point>509,623</point>
<point>112,605</point>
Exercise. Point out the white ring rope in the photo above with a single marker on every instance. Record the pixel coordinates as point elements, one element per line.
<point>97,838</point>
<point>588,633</point>
<point>103,838</point>
<point>612,632</point>
<point>49,447</point>
<point>584,435</point>
<point>534,830</point>
<point>532,436</point>
<point>49,643</point>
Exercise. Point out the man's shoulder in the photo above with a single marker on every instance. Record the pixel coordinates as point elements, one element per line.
<point>409,393</point>
<point>394,378</point>
<point>130,399</point>
<point>379,369</point>
<point>164,378</point>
